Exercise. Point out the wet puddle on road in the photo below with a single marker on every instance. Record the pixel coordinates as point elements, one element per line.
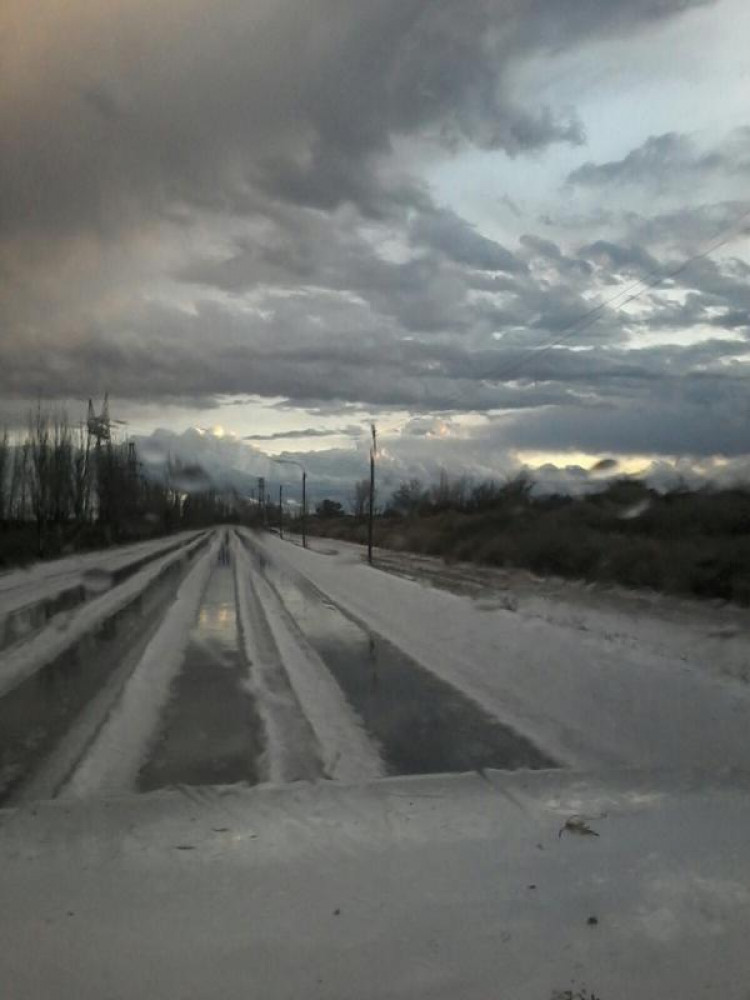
<point>423,725</point>
<point>37,714</point>
<point>210,730</point>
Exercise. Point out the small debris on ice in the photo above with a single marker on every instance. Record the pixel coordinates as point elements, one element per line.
<point>577,825</point>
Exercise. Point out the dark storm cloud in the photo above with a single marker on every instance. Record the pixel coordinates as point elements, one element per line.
<point>571,268</point>
<point>202,200</point>
<point>351,430</point>
<point>687,229</point>
<point>621,259</point>
<point>326,349</point>
<point>121,109</point>
<point>732,319</point>
<point>289,355</point>
<point>446,232</point>
<point>668,160</point>
<point>654,163</point>
<point>653,428</point>
<point>457,281</point>
<point>428,291</point>
<point>712,295</point>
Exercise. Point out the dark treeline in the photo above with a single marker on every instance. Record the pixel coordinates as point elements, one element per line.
<point>693,542</point>
<point>62,490</point>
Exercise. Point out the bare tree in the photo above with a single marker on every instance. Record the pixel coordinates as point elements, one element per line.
<point>409,497</point>
<point>81,476</point>
<point>360,498</point>
<point>18,487</point>
<point>4,468</point>
<point>56,478</point>
<point>61,471</point>
<point>40,479</point>
<point>448,493</point>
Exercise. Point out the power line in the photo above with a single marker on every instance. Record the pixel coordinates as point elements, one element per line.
<point>652,279</point>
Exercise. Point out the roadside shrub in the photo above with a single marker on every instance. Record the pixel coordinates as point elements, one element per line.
<point>683,542</point>
<point>635,563</point>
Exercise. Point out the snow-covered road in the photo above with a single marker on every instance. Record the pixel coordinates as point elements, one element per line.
<point>30,598</point>
<point>595,678</point>
<point>357,698</point>
<point>236,657</point>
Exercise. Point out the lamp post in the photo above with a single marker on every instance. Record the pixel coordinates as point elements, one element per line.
<point>371,510</point>
<point>291,461</point>
<point>281,511</point>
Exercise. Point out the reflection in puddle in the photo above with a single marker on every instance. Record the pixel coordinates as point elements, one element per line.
<point>37,714</point>
<point>422,724</point>
<point>210,730</point>
<point>217,617</point>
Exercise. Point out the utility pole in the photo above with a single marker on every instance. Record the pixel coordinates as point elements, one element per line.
<point>281,511</point>
<point>300,466</point>
<point>371,513</point>
<point>262,498</point>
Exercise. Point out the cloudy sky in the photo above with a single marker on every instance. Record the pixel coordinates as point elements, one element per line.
<point>276,221</point>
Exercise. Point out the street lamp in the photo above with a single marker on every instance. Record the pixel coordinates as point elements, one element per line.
<point>371,510</point>
<point>292,461</point>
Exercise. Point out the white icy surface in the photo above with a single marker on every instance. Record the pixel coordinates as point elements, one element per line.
<point>43,580</point>
<point>347,752</point>
<point>26,657</point>
<point>594,683</point>
<point>437,888</point>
